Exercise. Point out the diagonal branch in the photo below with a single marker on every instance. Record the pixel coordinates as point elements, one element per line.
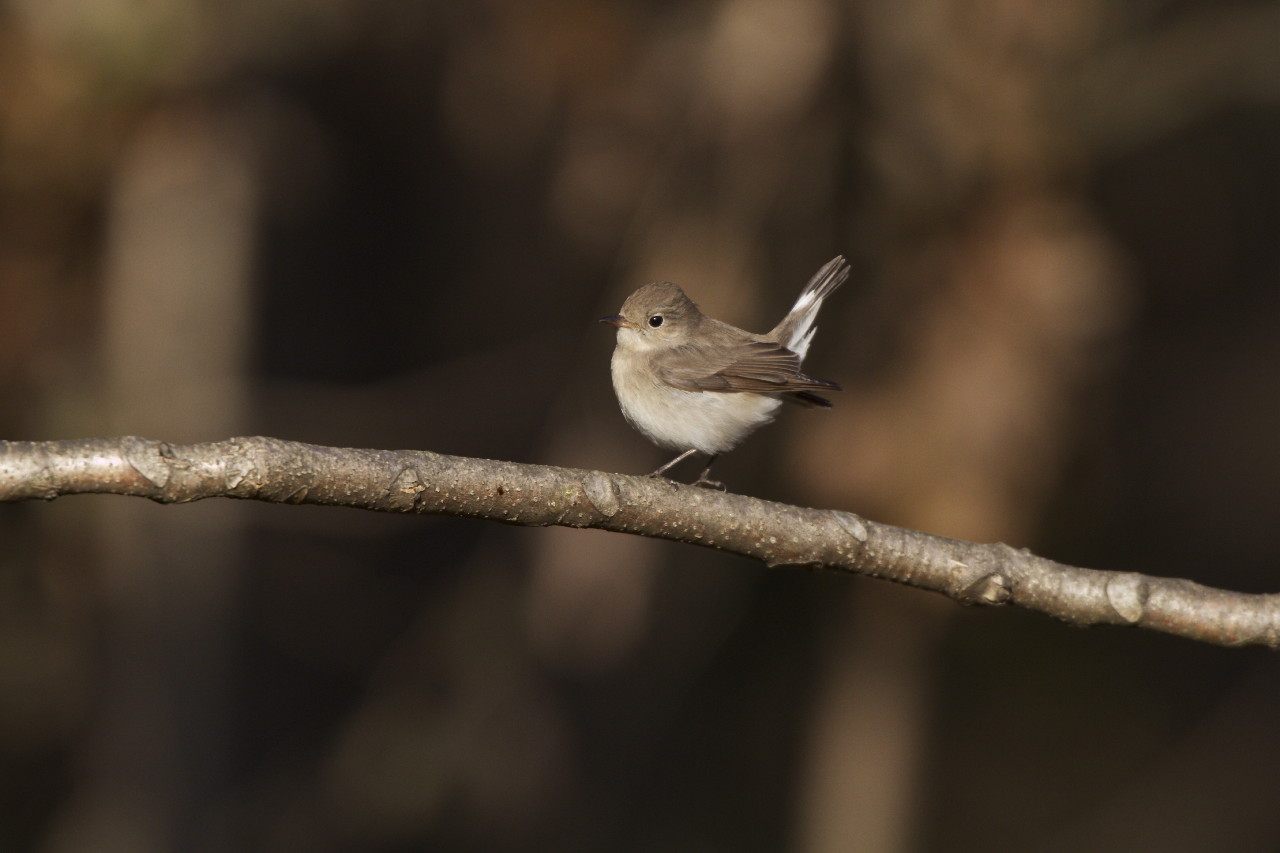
<point>269,469</point>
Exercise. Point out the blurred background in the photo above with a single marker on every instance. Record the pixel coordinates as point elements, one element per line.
<point>393,223</point>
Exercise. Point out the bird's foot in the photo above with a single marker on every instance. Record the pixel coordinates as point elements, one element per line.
<point>706,482</point>
<point>658,475</point>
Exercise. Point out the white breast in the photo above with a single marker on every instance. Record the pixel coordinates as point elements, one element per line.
<point>712,422</point>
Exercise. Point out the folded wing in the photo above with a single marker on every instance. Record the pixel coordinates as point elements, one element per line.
<point>759,366</point>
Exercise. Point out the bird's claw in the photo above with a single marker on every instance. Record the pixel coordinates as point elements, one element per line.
<point>656,475</point>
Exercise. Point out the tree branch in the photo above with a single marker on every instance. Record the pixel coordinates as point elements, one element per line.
<point>269,469</point>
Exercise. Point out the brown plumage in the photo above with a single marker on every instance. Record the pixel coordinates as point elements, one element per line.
<point>691,383</point>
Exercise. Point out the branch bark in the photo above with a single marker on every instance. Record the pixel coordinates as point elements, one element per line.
<point>269,469</point>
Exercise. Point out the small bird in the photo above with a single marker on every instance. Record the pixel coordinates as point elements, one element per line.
<point>697,385</point>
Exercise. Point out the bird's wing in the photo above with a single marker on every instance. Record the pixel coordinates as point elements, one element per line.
<point>749,365</point>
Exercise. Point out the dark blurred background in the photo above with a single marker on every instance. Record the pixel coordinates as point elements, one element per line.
<point>389,223</point>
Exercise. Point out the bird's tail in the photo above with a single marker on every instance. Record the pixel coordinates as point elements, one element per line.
<point>795,332</point>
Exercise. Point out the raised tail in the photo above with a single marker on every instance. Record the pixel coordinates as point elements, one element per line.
<point>795,332</point>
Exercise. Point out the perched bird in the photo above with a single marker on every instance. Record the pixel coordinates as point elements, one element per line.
<point>697,385</point>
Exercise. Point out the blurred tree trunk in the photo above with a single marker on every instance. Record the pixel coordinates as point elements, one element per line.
<point>974,221</point>
<point>176,321</point>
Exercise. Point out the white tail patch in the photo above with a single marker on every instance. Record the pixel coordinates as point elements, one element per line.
<point>796,330</point>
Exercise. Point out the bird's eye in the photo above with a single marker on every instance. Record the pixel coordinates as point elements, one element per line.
<point>655,321</point>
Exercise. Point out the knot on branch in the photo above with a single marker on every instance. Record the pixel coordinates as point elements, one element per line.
<point>1127,594</point>
<point>991,588</point>
<point>852,525</point>
<point>602,492</point>
<point>151,459</point>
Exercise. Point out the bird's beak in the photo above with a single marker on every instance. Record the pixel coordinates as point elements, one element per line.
<point>619,321</point>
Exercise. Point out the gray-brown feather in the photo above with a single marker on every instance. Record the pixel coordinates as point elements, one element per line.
<point>759,366</point>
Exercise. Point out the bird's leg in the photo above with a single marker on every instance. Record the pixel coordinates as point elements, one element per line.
<point>674,462</point>
<point>706,482</point>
